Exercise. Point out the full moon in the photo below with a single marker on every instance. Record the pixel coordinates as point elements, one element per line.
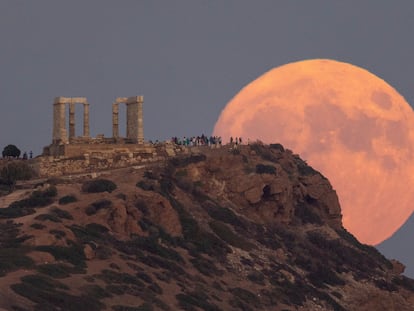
<point>349,124</point>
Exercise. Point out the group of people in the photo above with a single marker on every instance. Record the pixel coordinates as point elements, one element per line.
<point>202,140</point>
<point>236,141</point>
<point>25,157</point>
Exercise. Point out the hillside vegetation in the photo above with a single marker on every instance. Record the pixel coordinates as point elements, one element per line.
<point>252,228</point>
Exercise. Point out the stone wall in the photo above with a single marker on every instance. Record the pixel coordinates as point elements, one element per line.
<point>86,158</point>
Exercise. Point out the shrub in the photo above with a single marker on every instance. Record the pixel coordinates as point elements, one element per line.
<point>49,192</point>
<point>58,233</point>
<point>95,291</point>
<point>197,299</point>
<point>205,266</point>
<point>370,251</point>
<point>144,307</point>
<point>185,184</point>
<point>16,171</point>
<point>91,232</point>
<point>13,259</point>
<point>151,245</point>
<point>97,205</point>
<point>195,238</point>
<point>324,275</point>
<point>145,186</point>
<point>98,185</point>
<point>405,282</point>
<point>11,151</point>
<point>256,277</point>
<point>184,161</point>
<point>37,199</point>
<point>48,295</point>
<point>11,212</point>
<point>141,205</point>
<point>384,285</point>
<point>158,262</point>
<point>227,235</point>
<point>235,151</point>
<point>58,271</point>
<point>150,175</point>
<point>223,214</point>
<point>306,214</point>
<point>264,152</point>
<point>73,254</point>
<point>103,252</point>
<point>277,147</point>
<point>145,277</point>
<point>50,217</point>
<point>181,173</point>
<point>304,168</point>
<point>121,196</point>
<point>166,186</point>
<point>246,296</point>
<point>293,293</point>
<point>265,169</point>
<point>61,213</point>
<point>271,236</point>
<point>43,282</point>
<point>67,199</point>
<point>55,181</point>
<point>113,277</point>
<point>37,226</point>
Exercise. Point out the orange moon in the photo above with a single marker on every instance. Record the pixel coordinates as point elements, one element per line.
<point>349,124</point>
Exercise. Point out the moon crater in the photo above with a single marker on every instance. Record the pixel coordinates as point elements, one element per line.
<point>383,100</point>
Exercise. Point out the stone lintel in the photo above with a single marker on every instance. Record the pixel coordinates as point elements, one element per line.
<point>120,100</point>
<point>79,100</point>
<point>61,100</point>
<point>69,100</point>
<point>135,99</point>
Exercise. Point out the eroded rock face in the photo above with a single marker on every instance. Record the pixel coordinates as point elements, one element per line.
<point>268,188</point>
<point>318,188</point>
<point>162,213</point>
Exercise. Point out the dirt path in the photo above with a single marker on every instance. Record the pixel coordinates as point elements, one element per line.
<point>6,200</point>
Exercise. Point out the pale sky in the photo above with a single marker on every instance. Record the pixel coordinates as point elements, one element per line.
<point>188,58</point>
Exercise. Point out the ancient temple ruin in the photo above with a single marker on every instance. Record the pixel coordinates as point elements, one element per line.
<point>135,127</point>
<point>60,133</point>
<point>71,154</point>
<point>65,143</point>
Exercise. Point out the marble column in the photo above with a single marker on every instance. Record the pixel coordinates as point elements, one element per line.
<point>131,119</point>
<point>71,120</point>
<point>140,134</point>
<point>86,132</point>
<point>59,122</point>
<point>115,120</point>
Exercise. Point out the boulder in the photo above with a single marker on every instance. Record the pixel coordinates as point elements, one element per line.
<point>254,195</point>
<point>41,257</point>
<point>89,252</point>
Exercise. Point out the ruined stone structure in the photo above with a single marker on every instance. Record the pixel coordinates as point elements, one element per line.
<point>65,143</point>
<point>70,154</point>
<point>135,128</point>
<point>59,119</point>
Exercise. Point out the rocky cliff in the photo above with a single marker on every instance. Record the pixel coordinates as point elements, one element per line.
<point>247,228</point>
